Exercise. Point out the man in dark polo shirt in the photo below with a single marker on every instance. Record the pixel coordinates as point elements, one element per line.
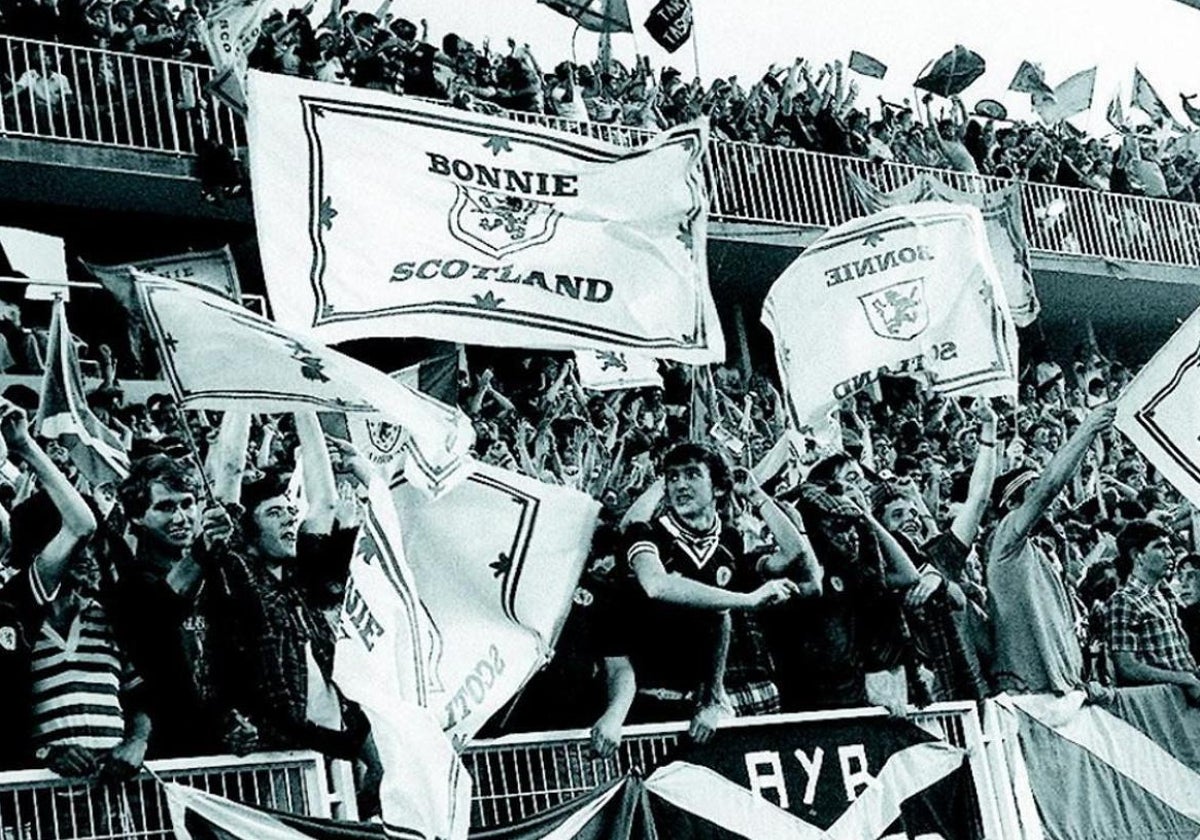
<point>25,595</point>
<point>161,610</point>
<point>684,564</point>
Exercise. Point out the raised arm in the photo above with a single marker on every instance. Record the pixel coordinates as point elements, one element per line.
<point>226,460</point>
<point>320,485</point>
<point>965,526</point>
<point>1059,471</point>
<point>78,523</point>
<point>899,570</point>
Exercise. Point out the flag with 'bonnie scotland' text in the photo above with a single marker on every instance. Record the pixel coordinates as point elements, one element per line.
<point>908,291</point>
<point>380,215</point>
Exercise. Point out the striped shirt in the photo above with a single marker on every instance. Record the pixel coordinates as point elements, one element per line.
<point>78,679</point>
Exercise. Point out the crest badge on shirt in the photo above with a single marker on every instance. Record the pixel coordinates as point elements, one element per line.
<point>836,584</point>
<point>724,575</point>
<point>8,638</point>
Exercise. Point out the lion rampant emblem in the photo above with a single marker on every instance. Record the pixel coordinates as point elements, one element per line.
<point>897,311</point>
<point>497,224</point>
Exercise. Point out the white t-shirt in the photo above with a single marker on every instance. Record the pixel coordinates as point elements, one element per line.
<point>48,89</point>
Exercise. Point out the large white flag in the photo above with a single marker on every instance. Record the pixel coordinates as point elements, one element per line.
<point>381,215</point>
<point>445,621</point>
<point>1001,209</point>
<point>217,355</point>
<point>1160,409</point>
<point>212,270</point>
<point>911,290</point>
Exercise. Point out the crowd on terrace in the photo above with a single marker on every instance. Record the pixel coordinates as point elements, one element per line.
<point>947,551</point>
<point>802,105</point>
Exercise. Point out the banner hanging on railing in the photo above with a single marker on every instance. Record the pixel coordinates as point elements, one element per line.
<point>862,779</point>
<point>1129,767</point>
<point>379,215</point>
<point>1001,209</point>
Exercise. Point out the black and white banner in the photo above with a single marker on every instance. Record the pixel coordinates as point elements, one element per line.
<point>381,215</point>
<point>1157,411</point>
<point>910,291</point>
<point>821,780</point>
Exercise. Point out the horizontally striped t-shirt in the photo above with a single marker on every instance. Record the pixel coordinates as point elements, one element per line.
<point>77,683</point>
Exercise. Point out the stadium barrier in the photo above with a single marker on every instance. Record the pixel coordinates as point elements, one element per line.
<point>148,104</point>
<point>39,805</point>
<point>516,776</point>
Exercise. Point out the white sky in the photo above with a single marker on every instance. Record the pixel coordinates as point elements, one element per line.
<point>747,36</point>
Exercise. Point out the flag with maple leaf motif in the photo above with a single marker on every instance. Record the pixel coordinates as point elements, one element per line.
<point>909,291</point>
<point>381,215</point>
<point>218,355</point>
<point>445,621</point>
<point>612,370</point>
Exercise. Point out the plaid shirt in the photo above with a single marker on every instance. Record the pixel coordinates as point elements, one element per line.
<point>1144,621</point>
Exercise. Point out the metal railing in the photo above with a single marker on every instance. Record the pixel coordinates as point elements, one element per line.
<point>111,99</point>
<point>518,776</point>
<point>39,805</point>
<point>120,100</point>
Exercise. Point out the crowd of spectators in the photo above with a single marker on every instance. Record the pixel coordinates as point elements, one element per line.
<point>798,106</point>
<point>949,550</point>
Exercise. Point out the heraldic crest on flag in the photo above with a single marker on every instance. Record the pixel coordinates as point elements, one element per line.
<point>498,225</point>
<point>897,311</point>
<point>381,215</point>
<point>1005,231</point>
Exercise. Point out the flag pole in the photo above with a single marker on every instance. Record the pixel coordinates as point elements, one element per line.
<point>695,47</point>
<point>191,442</point>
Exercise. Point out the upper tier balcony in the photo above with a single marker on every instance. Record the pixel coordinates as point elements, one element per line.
<point>121,114</point>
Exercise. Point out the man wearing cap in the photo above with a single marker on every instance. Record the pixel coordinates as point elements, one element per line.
<point>824,647</point>
<point>684,564</point>
<point>1036,647</point>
